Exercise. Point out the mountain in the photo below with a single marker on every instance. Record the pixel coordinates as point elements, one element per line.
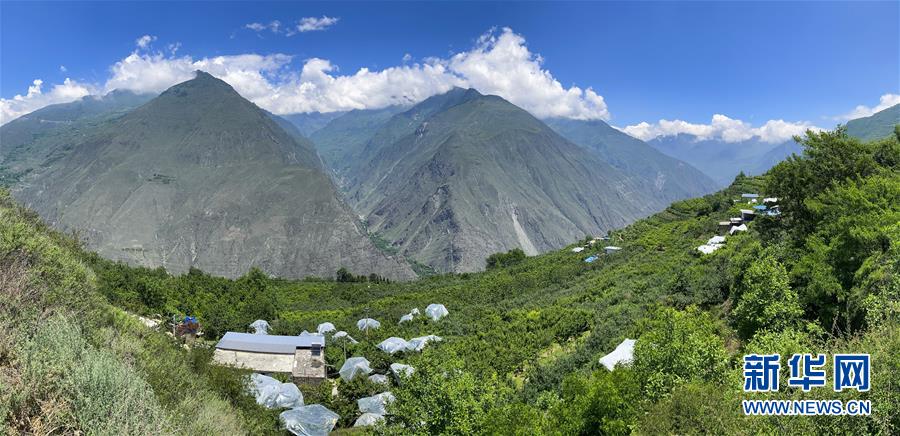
<point>675,179</point>
<point>879,125</point>
<point>201,177</point>
<point>463,175</point>
<point>28,140</point>
<point>724,160</point>
<point>341,141</point>
<point>308,123</point>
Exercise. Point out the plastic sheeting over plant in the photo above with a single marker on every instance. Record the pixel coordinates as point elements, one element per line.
<point>376,403</point>
<point>392,345</point>
<point>325,327</point>
<point>343,334</point>
<point>271,393</point>
<point>401,371</point>
<point>624,353</point>
<point>314,420</point>
<point>353,367</point>
<point>368,420</point>
<point>260,327</point>
<point>368,324</point>
<point>417,344</point>
<point>436,311</point>
<point>378,379</point>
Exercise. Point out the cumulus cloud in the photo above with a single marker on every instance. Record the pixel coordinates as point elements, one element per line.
<point>503,65</point>
<point>499,63</point>
<point>36,98</point>
<point>144,41</point>
<point>313,24</point>
<point>721,128</point>
<point>886,101</point>
<point>63,69</point>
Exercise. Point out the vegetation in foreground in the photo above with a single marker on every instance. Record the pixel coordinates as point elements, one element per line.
<point>523,338</point>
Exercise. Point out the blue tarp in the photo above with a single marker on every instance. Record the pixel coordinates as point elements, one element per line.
<point>591,259</point>
<point>760,207</point>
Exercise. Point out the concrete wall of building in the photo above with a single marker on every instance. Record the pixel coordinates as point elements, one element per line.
<point>261,362</point>
<point>308,367</point>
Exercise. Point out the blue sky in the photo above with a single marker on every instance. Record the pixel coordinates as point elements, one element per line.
<point>805,61</point>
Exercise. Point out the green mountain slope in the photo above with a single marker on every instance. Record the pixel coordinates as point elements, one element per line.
<point>28,140</point>
<point>462,175</point>
<point>879,125</point>
<point>674,179</point>
<point>200,177</point>
<point>521,345</point>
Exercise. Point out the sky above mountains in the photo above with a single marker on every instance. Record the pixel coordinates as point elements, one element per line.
<point>717,70</point>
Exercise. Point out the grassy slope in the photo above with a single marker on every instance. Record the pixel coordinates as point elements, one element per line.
<point>70,362</point>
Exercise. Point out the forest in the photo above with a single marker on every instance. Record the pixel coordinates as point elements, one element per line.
<point>522,341</point>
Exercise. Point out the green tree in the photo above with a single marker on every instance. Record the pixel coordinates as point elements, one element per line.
<point>678,346</point>
<point>766,300</point>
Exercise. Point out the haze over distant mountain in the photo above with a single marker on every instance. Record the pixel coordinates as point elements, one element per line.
<point>673,179</point>
<point>877,126</point>
<point>201,177</point>
<point>724,160</point>
<point>341,141</point>
<point>28,140</point>
<point>463,175</point>
<point>307,123</point>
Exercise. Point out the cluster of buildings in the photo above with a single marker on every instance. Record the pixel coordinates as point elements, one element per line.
<point>767,206</point>
<point>609,249</point>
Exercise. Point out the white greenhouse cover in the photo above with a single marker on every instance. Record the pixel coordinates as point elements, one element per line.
<point>706,249</point>
<point>314,420</point>
<point>368,419</point>
<point>716,240</point>
<point>578,249</point>
<point>436,311</point>
<point>392,345</point>
<point>417,344</point>
<point>367,323</point>
<point>399,368</point>
<point>343,334</point>
<point>735,229</point>
<point>271,393</point>
<point>354,366</point>
<point>415,311</point>
<point>624,353</point>
<point>405,318</point>
<point>260,327</point>
<point>325,327</point>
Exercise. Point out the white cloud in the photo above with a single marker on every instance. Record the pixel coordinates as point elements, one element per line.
<point>503,65</point>
<point>721,128</point>
<point>499,63</point>
<point>36,98</point>
<point>407,57</point>
<point>886,101</point>
<point>312,24</point>
<point>144,41</point>
<point>63,69</point>
<point>274,26</point>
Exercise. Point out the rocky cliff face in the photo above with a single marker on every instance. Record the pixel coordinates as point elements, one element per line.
<point>200,177</point>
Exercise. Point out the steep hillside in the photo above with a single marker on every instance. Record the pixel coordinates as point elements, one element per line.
<point>723,160</point>
<point>522,342</point>
<point>463,175</point>
<point>341,141</point>
<point>675,179</point>
<point>880,125</point>
<point>71,363</point>
<point>27,141</point>
<point>200,177</point>
<point>309,123</point>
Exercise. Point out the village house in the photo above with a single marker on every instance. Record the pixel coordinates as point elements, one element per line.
<point>301,356</point>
